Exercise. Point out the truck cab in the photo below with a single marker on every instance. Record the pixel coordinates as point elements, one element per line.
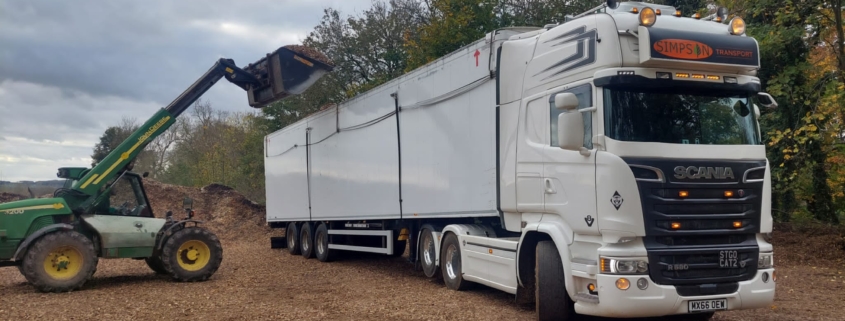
<point>635,146</point>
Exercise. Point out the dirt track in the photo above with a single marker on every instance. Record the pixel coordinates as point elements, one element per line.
<point>259,283</point>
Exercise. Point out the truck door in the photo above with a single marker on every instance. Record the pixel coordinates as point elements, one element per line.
<point>569,176</point>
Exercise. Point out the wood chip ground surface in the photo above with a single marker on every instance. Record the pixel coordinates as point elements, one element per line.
<point>259,283</point>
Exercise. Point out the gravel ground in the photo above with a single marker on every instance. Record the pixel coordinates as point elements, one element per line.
<point>258,283</point>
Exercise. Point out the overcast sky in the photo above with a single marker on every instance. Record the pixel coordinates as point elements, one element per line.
<point>71,69</point>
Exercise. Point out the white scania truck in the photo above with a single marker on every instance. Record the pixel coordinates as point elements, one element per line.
<point>610,165</point>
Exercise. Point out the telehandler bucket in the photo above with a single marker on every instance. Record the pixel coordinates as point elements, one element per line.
<point>290,70</point>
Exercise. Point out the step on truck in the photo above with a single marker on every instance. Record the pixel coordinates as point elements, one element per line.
<point>104,212</point>
<point>610,165</point>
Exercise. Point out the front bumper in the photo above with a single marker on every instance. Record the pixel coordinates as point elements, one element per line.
<point>659,300</point>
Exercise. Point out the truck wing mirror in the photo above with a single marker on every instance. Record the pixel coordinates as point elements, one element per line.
<point>570,130</point>
<point>566,101</point>
<point>767,100</point>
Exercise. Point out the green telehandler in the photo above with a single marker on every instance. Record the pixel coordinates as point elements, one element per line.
<point>103,211</point>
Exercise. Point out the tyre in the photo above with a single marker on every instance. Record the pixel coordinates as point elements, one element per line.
<point>450,264</point>
<point>428,254</point>
<point>321,244</point>
<point>399,248</point>
<point>552,302</point>
<point>60,262</point>
<point>192,254</point>
<point>306,240</point>
<point>292,237</point>
<point>155,264</point>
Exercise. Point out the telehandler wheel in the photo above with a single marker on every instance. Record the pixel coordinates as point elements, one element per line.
<point>450,264</point>
<point>60,262</point>
<point>552,301</point>
<point>192,254</point>
<point>155,263</point>
<point>321,244</point>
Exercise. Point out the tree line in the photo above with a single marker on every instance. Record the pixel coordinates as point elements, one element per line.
<point>803,67</point>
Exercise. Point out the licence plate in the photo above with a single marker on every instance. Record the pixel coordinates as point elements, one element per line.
<point>708,305</point>
<point>728,259</point>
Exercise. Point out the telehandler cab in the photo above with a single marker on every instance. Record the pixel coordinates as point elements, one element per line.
<point>103,212</point>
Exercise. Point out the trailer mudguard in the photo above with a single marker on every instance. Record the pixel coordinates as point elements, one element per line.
<point>37,234</point>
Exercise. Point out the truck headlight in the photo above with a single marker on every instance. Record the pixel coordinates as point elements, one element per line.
<point>766,261</point>
<point>626,266</point>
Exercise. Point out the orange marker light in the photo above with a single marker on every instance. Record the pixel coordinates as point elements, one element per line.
<point>677,13</point>
<point>729,193</point>
<point>711,77</point>
<point>737,224</point>
<point>658,11</point>
<point>683,194</point>
<point>697,76</point>
<point>697,15</point>
<point>591,287</point>
<point>675,225</point>
<point>681,75</point>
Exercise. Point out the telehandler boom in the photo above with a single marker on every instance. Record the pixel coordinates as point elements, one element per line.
<point>57,242</point>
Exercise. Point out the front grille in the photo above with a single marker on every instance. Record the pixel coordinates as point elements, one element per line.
<point>707,289</point>
<point>697,240</point>
<point>684,266</point>
<point>689,220</point>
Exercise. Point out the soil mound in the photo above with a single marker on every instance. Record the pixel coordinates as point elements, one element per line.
<point>10,197</point>
<point>222,209</point>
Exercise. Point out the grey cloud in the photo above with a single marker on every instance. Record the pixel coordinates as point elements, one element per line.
<point>144,50</point>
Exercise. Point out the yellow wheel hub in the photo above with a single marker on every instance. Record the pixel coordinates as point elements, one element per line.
<point>193,255</point>
<point>63,263</point>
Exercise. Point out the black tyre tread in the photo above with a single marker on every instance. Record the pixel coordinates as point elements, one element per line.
<point>432,271</point>
<point>552,302</point>
<point>155,264</point>
<point>171,265</point>
<point>328,254</point>
<point>34,258</point>
<point>309,229</point>
<point>399,248</point>
<point>292,232</point>
<point>458,284</point>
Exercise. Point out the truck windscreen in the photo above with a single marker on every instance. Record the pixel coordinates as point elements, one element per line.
<point>679,116</point>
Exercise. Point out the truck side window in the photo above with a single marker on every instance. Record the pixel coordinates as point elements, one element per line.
<point>585,100</point>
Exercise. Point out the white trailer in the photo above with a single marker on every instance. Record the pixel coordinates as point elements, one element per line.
<point>610,165</point>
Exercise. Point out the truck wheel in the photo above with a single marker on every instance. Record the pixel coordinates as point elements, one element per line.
<point>321,244</point>
<point>60,262</point>
<point>155,264</point>
<point>552,302</point>
<point>306,240</point>
<point>427,254</point>
<point>192,254</point>
<point>450,264</point>
<point>292,236</point>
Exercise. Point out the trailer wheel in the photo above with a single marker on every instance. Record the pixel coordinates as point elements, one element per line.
<point>60,262</point>
<point>306,240</point>
<point>552,302</point>
<point>155,264</point>
<point>192,254</point>
<point>428,254</point>
<point>321,244</point>
<point>450,264</point>
<point>292,236</point>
